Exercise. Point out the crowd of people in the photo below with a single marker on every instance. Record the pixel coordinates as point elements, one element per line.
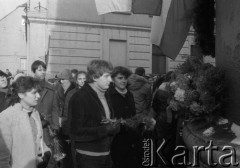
<point>84,111</point>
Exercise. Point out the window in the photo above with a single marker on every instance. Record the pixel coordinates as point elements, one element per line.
<point>23,63</point>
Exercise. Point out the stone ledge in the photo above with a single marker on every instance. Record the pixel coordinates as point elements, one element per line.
<point>193,136</point>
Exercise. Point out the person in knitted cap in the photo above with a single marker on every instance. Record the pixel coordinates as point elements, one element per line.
<point>68,88</point>
<point>66,79</point>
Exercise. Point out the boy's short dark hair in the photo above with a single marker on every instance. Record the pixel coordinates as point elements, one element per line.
<point>121,70</point>
<point>140,71</point>
<point>75,71</point>
<point>36,64</point>
<point>97,68</point>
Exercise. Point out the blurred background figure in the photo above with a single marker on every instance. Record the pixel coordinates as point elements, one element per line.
<point>157,82</point>
<point>141,90</point>
<point>81,78</point>
<point>150,79</point>
<point>5,91</point>
<point>19,71</point>
<point>17,76</point>
<point>167,79</point>
<point>8,73</point>
<point>140,71</point>
<point>74,74</point>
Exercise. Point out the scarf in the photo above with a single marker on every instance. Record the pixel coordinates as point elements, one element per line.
<point>101,95</point>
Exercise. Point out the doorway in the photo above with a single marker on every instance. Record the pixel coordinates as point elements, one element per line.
<point>118,52</point>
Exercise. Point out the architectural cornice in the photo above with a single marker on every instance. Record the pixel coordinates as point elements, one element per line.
<point>63,22</point>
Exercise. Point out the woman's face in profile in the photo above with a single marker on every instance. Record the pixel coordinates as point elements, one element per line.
<point>3,81</point>
<point>29,98</point>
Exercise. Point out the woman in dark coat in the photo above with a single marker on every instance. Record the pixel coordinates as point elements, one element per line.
<point>125,150</point>
<point>5,92</point>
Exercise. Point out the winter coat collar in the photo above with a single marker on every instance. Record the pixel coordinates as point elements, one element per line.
<point>71,87</point>
<point>90,90</point>
<point>113,91</point>
<point>46,86</point>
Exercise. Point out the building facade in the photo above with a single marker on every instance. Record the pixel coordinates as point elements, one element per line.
<point>13,53</point>
<point>68,34</point>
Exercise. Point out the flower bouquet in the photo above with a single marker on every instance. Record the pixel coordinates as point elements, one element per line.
<point>147,122</point>
<point>58,153</point>
<point>197,90</point>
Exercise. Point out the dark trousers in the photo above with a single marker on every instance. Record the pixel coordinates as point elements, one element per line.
<point>67,162</point>
<point>85,161</point>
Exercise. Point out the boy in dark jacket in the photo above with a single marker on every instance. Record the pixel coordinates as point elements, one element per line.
<point>91,126</point>
<point>47,106</point>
